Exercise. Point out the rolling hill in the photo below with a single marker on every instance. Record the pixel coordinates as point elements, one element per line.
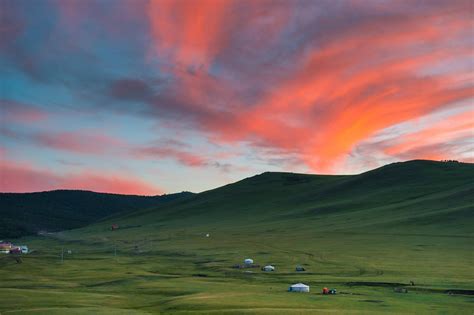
<point>27,213</point>
<point>416,196</point>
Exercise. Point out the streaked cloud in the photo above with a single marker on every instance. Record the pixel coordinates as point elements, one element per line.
<point>25,177</point>
<point>237,86</point>
<point>17,112</point>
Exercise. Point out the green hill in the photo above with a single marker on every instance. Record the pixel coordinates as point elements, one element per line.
<point>28,213</point>
<point>415,196</point>
<point>403,226</point>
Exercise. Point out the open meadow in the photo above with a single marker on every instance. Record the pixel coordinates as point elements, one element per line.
<point>415,233</point>
<point>189,273</point>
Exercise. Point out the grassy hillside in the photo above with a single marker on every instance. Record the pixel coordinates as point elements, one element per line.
<point>414,197</point>
<point>28,213</point>
<point>363,234</point>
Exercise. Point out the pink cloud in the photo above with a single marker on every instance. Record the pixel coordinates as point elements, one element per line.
<point>436,136</point>
<point>25,177</point>
<point>86,141</point>
<point>184,157</point>
<point>16,112</point>
<point>79,141</point>
<point>179,152</point>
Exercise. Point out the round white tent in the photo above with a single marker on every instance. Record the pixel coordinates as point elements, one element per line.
<point>248,261</point>
<point>299,287</point>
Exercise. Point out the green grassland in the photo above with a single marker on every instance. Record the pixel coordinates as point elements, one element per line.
<point>363,235</point>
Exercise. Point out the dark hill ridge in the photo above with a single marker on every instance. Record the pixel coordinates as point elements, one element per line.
<point>417,196</point>
<point>28,213</point>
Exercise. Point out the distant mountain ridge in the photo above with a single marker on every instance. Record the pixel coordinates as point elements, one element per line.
<point>28,213</point>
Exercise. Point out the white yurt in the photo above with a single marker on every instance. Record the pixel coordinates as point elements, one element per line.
<point>248,261</point>
<point>268,268</point>
<point>299,287</point>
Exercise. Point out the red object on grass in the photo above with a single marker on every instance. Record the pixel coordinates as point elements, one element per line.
<point>15,250</point>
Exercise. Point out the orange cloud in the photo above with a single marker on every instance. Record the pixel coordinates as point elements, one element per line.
<point>342,86</point>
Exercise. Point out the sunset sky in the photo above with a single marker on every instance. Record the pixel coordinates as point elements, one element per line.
<point>151,97</point>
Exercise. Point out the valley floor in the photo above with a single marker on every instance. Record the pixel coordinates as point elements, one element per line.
<point>184,272</point>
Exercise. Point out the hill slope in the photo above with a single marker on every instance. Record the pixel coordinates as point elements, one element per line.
<point>28,213</point>
<point>416,196</point>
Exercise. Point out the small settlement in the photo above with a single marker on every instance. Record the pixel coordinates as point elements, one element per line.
<point>297,287</point>
<point>9,248</point>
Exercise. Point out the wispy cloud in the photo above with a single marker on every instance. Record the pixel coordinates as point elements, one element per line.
<point>80,141</point>
<point>24,177</point>
<point>343,87</point>
<point>17,112</point>
<point>325,86</point>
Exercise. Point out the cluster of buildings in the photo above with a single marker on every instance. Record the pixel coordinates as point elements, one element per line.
<point>298,287</point>
<point>9,248</point>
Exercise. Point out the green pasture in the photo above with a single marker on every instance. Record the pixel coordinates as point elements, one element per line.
<point>189,273</point>
<point>363,235</point>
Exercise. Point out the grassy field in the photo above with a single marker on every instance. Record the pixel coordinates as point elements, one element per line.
<point>363,235</point>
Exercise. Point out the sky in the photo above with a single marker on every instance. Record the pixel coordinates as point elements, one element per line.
<point>153,97</point>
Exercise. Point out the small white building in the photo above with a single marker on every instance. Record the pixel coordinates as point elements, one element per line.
<point>268,268</point>
<point>248,261</point>
<point>299,287</point>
